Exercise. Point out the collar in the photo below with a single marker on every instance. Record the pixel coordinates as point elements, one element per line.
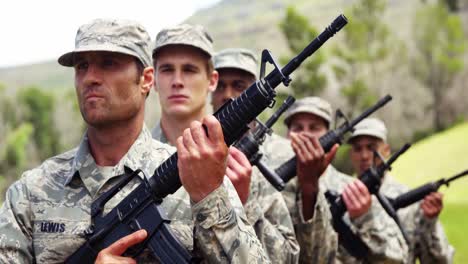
<point>84,165</point>
<point>158,134</point>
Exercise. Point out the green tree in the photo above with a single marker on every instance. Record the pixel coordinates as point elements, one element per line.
<point>39,111</point>
<point>13,155</point>
<point>440,44</point>
<point>365,47</point>
<point>308,80</point>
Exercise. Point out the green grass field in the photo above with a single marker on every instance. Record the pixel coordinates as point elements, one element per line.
<point>441,156</point>
<point>453,219</point>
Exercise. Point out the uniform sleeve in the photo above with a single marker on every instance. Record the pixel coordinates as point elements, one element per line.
<point>222,233</point>
<point>268,214</point>
<point>316,236</point>
<point>16,226</point>
<point>434,246</point>
<point>382,235</point>
<point>317,240</point>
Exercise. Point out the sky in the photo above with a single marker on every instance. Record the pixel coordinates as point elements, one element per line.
<point>36,31</point>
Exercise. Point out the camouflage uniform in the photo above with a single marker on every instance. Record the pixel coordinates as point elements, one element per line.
<point>316,236</point>
<point>47,211</point>
<point>428,241</point>
<point>265,207</point>
<point>375,228</point>
<point>268,214</point>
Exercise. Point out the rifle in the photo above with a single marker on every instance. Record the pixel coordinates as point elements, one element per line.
<point>249,144</point>
<point>288,169</point>
<point>372,179</point>
<point>417,194</point>
<point>140,208</point>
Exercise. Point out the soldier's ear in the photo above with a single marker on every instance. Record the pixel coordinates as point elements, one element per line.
<point>214,78</point>
<point>386,150</point>
<point>148,79</point>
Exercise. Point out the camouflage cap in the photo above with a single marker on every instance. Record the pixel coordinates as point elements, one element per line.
<point>312,105</point>
<point>241,59</point>
<point>370,127</point>
<point>115,35</point>
<point>185,34</point>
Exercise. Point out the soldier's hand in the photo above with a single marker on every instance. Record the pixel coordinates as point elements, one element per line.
<point>113,253</point>
<point>202,158</point>
<point>432,204</point>
<point>357,199</point>
<point>239,171</point>
<point>312,161</point>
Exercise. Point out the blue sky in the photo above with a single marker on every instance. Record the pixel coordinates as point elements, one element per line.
<point>35,31</point>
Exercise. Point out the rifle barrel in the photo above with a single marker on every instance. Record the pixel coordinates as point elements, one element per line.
<point>371,110</point>
<point>397,154</point>
<point>287,103</point>
<point>337,24</point>
<point>459,175</point>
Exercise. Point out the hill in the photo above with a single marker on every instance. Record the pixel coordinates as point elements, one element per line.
<point>48,75</point>
<point>232,23</point>
<point>439,156</point>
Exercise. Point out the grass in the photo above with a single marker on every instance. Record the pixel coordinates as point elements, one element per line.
<point>453,219</point>
<point>440,156</point>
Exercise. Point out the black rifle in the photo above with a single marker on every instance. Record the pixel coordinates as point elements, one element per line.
<point>372,179</point>
<point>288,169</point>
<point>417,194</point>
<point>140,208</point>
<point>250,143</point>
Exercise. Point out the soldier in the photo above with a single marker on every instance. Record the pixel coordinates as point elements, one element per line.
<point>46,212</point>
<point>265,207</point>
<point>307,120</point>
<point>184,77</point>
<point>428,242</point>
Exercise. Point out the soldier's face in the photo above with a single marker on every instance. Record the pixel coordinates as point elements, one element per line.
<point>307,123</point>
<point>182,80</point>
<point>110,87</point>
<point>362,155</point>
<point>232,82</point>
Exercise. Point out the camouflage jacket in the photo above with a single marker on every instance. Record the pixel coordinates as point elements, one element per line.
<point>316,237</point>
<point>382,237</point>
<point>267,213</point>
<point>376,229</point>
<point>428,241</point>
<point>47,211</point>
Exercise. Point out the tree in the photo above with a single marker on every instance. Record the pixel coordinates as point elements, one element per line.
<point>298,32</point>
<point>13,155</point>
<point>452,5</point>
<point>365,46</point>
<point>39,111</point>
<point>440,44</point>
